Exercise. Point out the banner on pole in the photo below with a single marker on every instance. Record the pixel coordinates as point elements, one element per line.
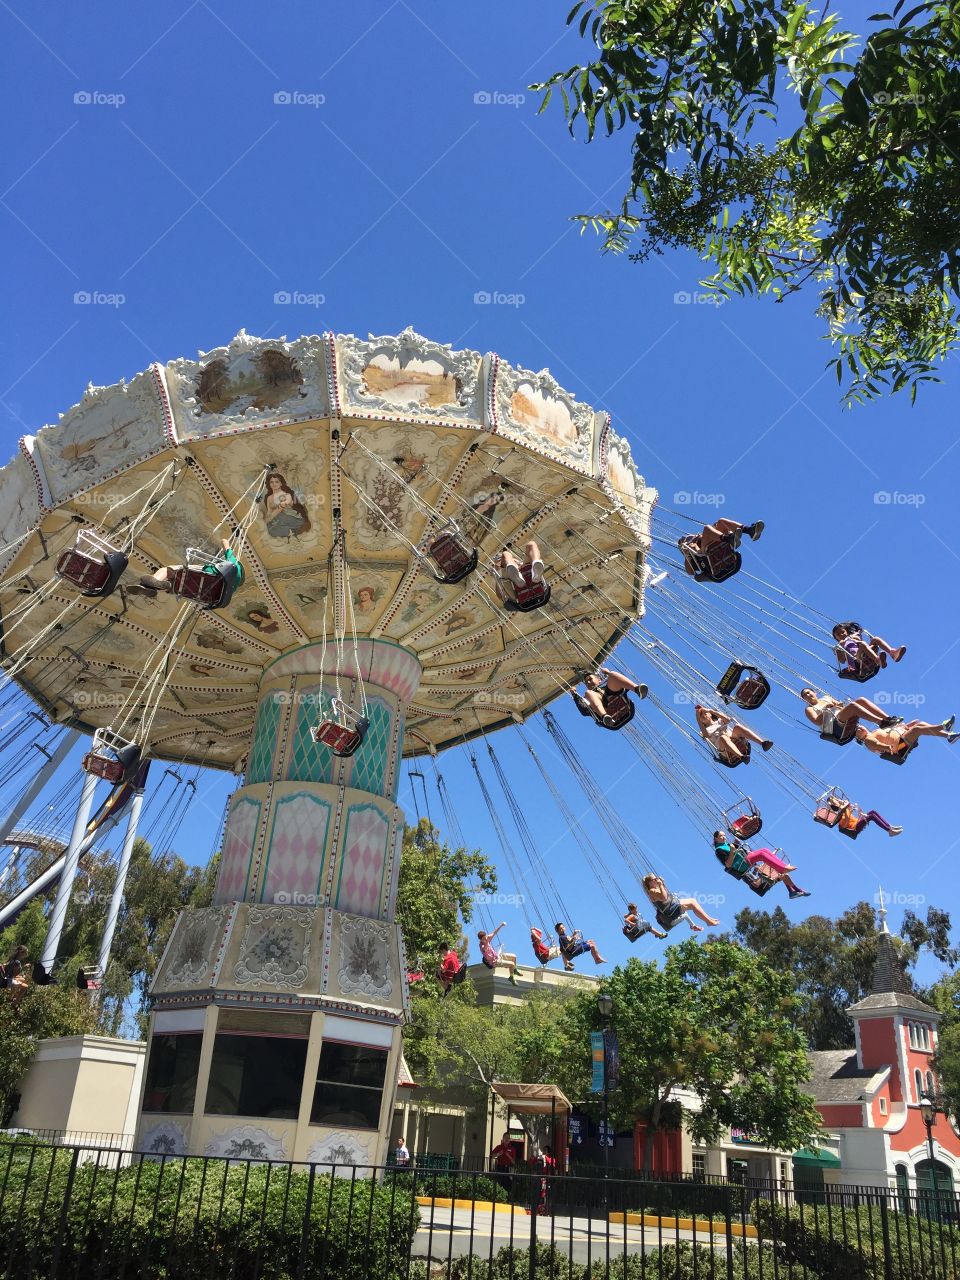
<point>612,1060</point>
<point>597,1050</point>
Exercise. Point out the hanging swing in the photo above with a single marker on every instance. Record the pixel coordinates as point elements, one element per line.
<point>745,686</point>
<point>528,594</point>
<point>112,758</point>
<point>210,587</point>
<point>92,564</point>
<point>830,806</point>
<point>619,709</point>
<point>743,819</point>
<point>718,563</point>
<point>759,883</point>
<point>453,559</point>
<point>862,667</point>
<point>343,731</point>
<point>852,821</point>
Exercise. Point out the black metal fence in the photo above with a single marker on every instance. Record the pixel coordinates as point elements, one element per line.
<point>89,1213</point>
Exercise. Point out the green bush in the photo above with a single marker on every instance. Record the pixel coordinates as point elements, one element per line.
<point>188,1218</point>
<point>464,1187</point>
<point>835,1243</point>
<point>673,1262</point>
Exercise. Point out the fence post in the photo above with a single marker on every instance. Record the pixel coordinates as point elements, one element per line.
<point>532,1272</point>
<point>61,1229</point>
<point>307,1210</point>
<point>885,1230</point>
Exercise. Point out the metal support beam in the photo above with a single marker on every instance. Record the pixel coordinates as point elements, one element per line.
<point>40,778</point>
<point>106,942</point>
<point>69,873</point>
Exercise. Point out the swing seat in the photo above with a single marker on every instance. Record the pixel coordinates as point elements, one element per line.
<point>92,565</point>
<point>112,757</point>
<point>631,932</point>
<point>207,590</point>
<point>898,757</point>
<point>743,819</point>
<point>760,884</point>
<point>620,709</point>
<point>847,734</point>
<point>852,822</point>
<point>748,693</point>
<point>862,672</point>
<point>527,595</point>
<point>342,739</point>
<point>746,827</point>
<point>830,807</point>
<point>733,764</point>
<point>454,560</point>
<point>720,562</point>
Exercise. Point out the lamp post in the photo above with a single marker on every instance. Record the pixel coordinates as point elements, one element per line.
<point>928,1113</point>
<point>605,1006</point>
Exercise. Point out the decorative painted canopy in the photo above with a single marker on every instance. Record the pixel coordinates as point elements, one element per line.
<point>425,434</point>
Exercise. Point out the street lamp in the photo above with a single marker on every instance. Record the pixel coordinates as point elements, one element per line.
<point>605,1007</point>
<point>928,1113</point>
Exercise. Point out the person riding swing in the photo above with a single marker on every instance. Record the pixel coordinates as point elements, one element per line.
<point>635,926</point>
<point>608,699</point>
<point>712,555</point>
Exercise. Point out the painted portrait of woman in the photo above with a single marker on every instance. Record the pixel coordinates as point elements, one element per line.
<point>285,515</point>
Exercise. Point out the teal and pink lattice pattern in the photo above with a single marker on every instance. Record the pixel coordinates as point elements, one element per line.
<point>237,850</point>
<point>295,854</point>
<point>363,860</point>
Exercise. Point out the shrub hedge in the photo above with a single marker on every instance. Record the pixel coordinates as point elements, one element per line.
<point>189,1218</point>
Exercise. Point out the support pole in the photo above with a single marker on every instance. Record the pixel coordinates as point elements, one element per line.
<point>11,863</point>
<point>65,887</point>
<point>12,909</point>
<point>106,942</point>
<point>50,765</point>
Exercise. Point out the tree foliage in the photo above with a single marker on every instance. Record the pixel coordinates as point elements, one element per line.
<point>435,899</point>
<point>714,1019</point>
<point>790,154</point>
<point>833,960</point>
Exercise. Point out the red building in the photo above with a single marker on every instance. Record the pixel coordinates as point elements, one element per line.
<point>869,1096</point>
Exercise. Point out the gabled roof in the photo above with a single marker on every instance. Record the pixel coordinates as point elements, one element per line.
<point>890,988</point>
<point>835,1076</point>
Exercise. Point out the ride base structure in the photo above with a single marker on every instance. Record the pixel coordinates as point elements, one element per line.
<point>355,480</point>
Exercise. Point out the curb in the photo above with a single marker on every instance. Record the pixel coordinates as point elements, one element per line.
<point>484,1206</point>
<point>685,1224</point>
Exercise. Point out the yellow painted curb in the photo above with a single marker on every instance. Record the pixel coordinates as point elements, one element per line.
<point>684,1224</point>
<point>484,1206</point>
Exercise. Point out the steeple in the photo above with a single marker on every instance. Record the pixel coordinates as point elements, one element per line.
<point>890,987</point>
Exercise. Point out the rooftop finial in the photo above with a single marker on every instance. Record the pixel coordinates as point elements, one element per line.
<point>883,914</point>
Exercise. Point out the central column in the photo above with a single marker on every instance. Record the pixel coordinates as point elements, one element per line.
<point>308,828</point>
<point>275,1029</point>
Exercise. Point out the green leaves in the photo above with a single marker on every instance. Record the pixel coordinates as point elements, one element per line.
<point>862,198</point>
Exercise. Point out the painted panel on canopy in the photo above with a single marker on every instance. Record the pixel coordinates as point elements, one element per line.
<point>407,458</point>
<point>500,490</point>
<point>110,429</point>
<point>189,518</point>
<point>372,588</point>
<point>535,410</point>
<point>488,642</point>
<point>19,506</point>
<point>423,599</point>
<point>293,518</point>
<point>407,374</point>
<point>248,382</point>
<point>459,620</point>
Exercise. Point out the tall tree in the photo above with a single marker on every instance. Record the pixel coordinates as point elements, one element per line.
<point>714,1019</point>
<point>790,155</point>
<point>435,899</point>
<point>833,960</point>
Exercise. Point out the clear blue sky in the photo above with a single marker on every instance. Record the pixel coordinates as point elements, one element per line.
<point>386,187</point>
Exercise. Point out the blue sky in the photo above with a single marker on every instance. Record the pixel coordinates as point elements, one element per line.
<point>387,164</point>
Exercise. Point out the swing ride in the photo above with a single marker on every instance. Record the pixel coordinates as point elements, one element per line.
<point>304,561</point>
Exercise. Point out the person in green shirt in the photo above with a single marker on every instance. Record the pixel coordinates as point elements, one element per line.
<point>162,580</point>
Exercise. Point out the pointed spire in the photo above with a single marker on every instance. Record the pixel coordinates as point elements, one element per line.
<point>883,914</point>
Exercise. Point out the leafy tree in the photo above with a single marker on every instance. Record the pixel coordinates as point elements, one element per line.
<point>158,887</point>
<point>715,1019</point>
<point>944,995</point>
<point>833,960</point>
<point>790,155</point>
<point>435,900</point>
<point>30,1016</point>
